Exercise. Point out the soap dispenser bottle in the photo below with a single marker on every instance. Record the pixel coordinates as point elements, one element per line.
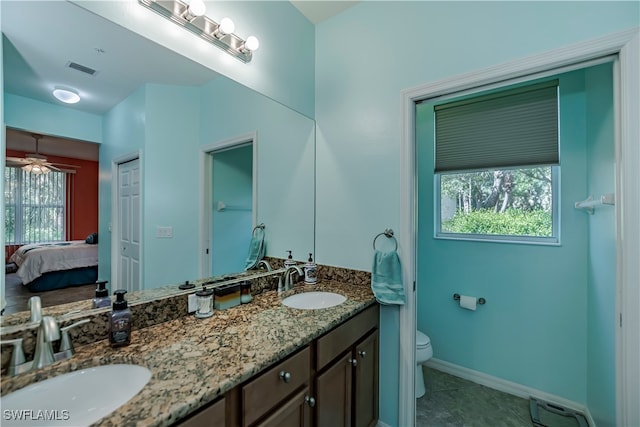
<point>289,262</point>
<point>310,272</point>
<point>102,296</point>
<point>120,321</point>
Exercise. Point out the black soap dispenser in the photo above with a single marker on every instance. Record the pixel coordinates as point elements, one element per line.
<point>120,321</point>
<point>102,296</point>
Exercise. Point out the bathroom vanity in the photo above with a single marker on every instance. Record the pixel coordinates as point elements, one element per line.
<point>332,381</point>
<point>260,363</point>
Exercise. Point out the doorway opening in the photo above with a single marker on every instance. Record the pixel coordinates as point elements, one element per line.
<point>229,204</point>
<point>625,45</point>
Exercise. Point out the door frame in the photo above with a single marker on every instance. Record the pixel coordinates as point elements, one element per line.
<point>114,227</point>
<point>205,200</point>
<point>624,44</point>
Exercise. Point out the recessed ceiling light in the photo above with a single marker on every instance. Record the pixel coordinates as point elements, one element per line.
<point>66,95</point>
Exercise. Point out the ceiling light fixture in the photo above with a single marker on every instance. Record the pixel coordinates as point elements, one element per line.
<point>36,168</point>
<point>66,95</point>
<point>191,16</point>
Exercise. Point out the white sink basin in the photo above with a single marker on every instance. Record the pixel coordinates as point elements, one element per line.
<point>314,300</point>
<point>77,398</point>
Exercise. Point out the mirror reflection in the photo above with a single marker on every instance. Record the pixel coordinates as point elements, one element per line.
<point>189,161</point>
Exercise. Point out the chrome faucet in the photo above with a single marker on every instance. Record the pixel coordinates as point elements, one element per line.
<point>48,332</point>
<point>288,279</point>
<point>265,263</point>
<point>35,307</point>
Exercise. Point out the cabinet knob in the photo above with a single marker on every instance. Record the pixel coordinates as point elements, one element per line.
<point>353,362</point>
<point>285,376</point>
<point>362,353</point>
<point>310,401</point>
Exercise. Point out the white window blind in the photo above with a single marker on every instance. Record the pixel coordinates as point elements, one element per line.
<point>34,206</point>
<point>512,128</point>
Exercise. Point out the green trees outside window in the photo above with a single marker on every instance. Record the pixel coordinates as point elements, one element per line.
<point>34,206</point>
<point>505,202</point>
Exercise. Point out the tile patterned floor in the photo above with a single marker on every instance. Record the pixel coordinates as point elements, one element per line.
<point>454,402</point>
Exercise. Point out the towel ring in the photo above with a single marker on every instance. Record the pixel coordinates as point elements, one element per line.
<point>389,233</point>
<point>259,226</point>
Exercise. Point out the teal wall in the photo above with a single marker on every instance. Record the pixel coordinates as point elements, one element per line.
<point>358,115</point>
<point>601,256</point>
<point>124,133</point>
<point>231,228</point>
<point>285,142</point>
<point>51,119</point>
<point>171,186</point>
<point>532,331</point>
<point>161,123</point>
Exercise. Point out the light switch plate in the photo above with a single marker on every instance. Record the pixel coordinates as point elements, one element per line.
<point>164,232</point>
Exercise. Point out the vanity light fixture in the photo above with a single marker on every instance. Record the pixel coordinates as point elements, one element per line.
<point>191,16</point>
<point>194,9</point>
<point>66,95</point>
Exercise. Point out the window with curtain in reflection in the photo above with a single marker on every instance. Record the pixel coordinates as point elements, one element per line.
<point>34,206</point>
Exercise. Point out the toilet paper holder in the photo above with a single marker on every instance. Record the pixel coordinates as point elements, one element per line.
<point>480,300</point>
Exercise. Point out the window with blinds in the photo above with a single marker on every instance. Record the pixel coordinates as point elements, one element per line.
<point>34,206</point>
<point>497,164</point>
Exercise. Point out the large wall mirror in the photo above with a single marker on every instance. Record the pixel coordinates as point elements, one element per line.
<point>213,158</point>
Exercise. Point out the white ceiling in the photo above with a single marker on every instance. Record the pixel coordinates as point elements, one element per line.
<point>36,58</point>
<point>317,11</point>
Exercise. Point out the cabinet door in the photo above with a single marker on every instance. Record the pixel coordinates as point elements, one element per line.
<point>366,382</point>
<point>294,412</point>
<point>333,394</point>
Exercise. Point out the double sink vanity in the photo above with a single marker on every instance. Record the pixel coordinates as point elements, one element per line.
<point>308,356</point>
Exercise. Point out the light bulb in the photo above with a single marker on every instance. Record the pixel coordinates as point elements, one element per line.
<point>197,8</point>
<point>252,43</point>
<point>227,26</point>
<point>66,96</point>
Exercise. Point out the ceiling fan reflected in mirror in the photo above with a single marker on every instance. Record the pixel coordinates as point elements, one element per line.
<point>37,163</point>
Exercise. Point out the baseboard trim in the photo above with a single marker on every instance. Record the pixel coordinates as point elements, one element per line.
<point>507,386</point>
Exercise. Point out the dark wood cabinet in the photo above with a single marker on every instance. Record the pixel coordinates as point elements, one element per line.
<point>213,415</point>
<point>268,390</point>
<point>347,387</point>
<point>366,382</point>
<point>334,390</point>
<point>332,382</point>
<point>295,412</point>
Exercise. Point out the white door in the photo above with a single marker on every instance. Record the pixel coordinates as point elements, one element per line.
<point>129,225</point>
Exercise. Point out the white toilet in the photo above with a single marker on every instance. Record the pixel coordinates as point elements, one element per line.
<point>423,353</point>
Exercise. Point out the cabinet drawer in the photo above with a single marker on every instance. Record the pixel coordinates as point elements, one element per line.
<point>269,388</point>
<point>344,336</point>
<point>211,416</point>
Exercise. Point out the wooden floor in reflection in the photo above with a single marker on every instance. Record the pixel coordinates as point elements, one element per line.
<point>17,295</point>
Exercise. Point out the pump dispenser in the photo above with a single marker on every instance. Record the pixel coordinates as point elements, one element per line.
<point>289,261</point>
<point>310,272</point>
<point>120,321</point>
<point>102,296</point>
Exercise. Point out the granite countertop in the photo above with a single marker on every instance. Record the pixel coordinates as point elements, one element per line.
<point>194,361</point>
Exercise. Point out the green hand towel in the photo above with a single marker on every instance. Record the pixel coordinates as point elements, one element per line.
<point>386,278</point>
<point>256,249</point>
